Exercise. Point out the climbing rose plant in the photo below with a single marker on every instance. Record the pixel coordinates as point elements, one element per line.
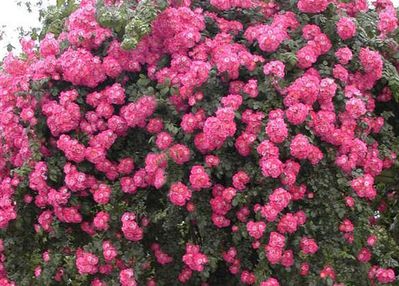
<point>238,143</point>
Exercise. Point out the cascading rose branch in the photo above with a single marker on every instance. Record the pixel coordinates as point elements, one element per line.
<point>262,105</point>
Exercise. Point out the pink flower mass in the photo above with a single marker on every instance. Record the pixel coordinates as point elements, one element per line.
<point>233,142</point>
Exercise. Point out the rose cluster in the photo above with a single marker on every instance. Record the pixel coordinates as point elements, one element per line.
<point>240,142</point>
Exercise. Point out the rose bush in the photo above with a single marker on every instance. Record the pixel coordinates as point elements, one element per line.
<point>238,143</point>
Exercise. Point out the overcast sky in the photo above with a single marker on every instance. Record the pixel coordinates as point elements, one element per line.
<point>13,16</point>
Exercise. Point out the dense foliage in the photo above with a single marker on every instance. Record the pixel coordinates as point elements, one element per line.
<point>221,142</point>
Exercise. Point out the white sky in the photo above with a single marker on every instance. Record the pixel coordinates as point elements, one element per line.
<point>14,16</point>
